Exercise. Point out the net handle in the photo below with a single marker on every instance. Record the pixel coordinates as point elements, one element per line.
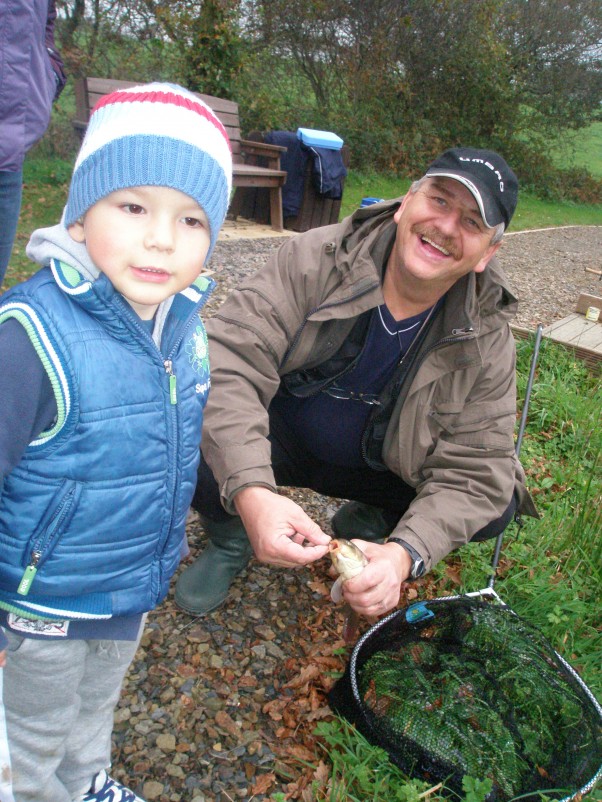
<point>519,440</point>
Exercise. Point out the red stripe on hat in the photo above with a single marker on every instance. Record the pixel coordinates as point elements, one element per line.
<point>164,97</point>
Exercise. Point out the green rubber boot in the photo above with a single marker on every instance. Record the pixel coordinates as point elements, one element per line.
<point>357,520</point>
<point>204,585</point>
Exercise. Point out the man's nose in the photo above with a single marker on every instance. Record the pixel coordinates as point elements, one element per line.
<point>449,221</point>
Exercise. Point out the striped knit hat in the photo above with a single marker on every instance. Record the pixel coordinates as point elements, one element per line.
<point>153,135</point>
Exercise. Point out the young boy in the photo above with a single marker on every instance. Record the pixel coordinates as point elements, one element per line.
<point>103,379</point>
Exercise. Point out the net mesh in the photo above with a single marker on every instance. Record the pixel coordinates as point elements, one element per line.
<point>463,686</point>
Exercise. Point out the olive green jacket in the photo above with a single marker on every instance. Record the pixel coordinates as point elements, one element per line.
<point>451,434</point>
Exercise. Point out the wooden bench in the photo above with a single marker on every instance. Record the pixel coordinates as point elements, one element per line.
<point>246,173</point>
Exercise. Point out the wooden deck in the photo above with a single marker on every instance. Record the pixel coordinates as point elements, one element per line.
<point>574,332</point>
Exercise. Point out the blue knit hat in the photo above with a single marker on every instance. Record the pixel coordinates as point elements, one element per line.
<point>153,135</point>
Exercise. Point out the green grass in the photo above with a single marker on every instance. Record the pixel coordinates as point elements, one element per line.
<point>550,573</point>
<point>582,149</point>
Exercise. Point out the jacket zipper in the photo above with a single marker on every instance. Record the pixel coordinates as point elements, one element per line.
<point>318,309</point>
<point>468,331</point>
<point>173,398</point>
<point>40,545</point>
<point>173,395</point>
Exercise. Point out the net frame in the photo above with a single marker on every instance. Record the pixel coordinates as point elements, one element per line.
<point>355,712</point>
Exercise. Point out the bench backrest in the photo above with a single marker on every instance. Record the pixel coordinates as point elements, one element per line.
<point>89,90</point>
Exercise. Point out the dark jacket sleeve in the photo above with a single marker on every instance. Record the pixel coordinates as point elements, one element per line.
<point>294,161</point>
<point>55,57</point>
<point>328,172</point>
<point>28,404</point>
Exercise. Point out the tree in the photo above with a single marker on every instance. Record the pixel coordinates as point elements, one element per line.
<point>398,79</point>
<point>206,33</point>
<point>403,79</point>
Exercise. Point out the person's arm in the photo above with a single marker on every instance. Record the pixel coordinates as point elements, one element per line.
<point>377,589</point>
<point>28,404</point>
<point>56,61</point>
<point>279,530</point>
<point>468,481</point>
<point>248,340</point>
<point>468,477</point>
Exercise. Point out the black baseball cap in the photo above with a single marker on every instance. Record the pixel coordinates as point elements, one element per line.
<point>488,177</point>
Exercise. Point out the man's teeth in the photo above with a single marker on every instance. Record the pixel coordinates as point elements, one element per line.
<point>435,245</point>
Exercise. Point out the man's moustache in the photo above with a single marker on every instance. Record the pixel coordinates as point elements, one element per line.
<point>442,240</point>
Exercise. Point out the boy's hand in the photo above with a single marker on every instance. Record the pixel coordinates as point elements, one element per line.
<point>280,532</point>
<point>3,658</point>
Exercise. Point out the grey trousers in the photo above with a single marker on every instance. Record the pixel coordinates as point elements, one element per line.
<point>57,701</point>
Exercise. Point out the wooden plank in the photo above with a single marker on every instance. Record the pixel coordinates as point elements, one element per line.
<point>569,325</point>
<point>591,357</point>
<point>575,329</point>
<point>588,338</point>
<point>577,332</point>
<point>585,301</point>
<point>591,338</point>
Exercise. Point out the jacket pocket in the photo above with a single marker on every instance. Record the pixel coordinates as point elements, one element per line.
<point>52,526</point>
<point>487,424</point>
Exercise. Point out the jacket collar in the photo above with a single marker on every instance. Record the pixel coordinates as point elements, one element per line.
<point>100,299</point>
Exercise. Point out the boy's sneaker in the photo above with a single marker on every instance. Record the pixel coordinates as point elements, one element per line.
<point>106,789</point>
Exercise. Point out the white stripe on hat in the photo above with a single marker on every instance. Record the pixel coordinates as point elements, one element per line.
<point>141,119</point>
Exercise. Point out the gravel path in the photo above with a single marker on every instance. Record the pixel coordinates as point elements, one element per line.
<point>206,714</point>
<point>547,270</point>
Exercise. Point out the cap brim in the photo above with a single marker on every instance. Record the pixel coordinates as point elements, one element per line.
<point>489,213</point>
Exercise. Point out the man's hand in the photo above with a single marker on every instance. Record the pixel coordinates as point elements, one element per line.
<point>280,532</point>
<point>377,589</point>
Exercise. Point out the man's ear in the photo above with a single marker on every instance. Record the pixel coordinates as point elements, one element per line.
<point>76,231</point>
<point>487,257</point>
<point>406,199</point>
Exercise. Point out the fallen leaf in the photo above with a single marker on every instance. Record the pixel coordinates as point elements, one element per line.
<point>263,784</point>
<point>308,673</point>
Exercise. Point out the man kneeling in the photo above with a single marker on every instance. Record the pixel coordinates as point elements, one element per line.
<point>372,361</point>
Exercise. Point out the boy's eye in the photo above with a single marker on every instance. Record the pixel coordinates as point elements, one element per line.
<point>193,222</point>
<point>133,208</point>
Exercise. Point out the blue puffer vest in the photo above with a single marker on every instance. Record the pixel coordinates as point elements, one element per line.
<point>92,520</point>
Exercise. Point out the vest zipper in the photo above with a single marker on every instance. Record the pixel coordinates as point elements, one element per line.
<point>173,395</point>
<point>41,543</point>
<point>168,366</point>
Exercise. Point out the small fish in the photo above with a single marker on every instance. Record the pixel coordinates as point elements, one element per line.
<point>348,561</point>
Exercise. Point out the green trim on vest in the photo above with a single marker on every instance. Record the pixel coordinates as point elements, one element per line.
<point>49,359</point>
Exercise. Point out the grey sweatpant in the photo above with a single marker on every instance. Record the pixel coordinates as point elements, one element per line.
<point>57,701</point>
